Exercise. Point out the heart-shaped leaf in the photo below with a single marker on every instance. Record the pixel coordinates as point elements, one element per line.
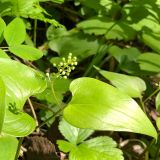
<point>100,106</point>
<point>8,147</point>
<point>131,85</point>
<point>158,102</point>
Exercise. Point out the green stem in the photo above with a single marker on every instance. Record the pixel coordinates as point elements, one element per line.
<point>53,116</point>
<point>35,32</point>
<point>19,147</point>
<point>142,104</point>
<point>146,150</point>
<point>53,91</point>
<point>152,94</point>
<point>157,149</point>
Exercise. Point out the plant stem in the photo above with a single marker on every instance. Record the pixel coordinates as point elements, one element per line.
<point>33,112</point>
<point>147,148</point>
<point>152,94</point>
<point>142,104</point>
<point>19,147</point>
<point>53,116</point>
<point>53,91</point>
<point>157,149</point>
<point>35,32</point>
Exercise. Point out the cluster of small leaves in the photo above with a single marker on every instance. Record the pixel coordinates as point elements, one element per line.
<point>66,66</point>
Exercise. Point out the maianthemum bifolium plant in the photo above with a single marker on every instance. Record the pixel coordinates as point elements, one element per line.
<point>107,56</point>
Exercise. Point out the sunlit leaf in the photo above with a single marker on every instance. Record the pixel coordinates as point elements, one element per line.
<point>8,147</point>
<point>100,106</point>
<point>3,54</point>
<point>18,124</point>
<point>26,52</point>
<point>149,62</point>
<point>158,102</point>
<point>2,103</point>
<point>73,134</point>
<point>15,32</point>
<point>103,148</point>
<point>131,85</point>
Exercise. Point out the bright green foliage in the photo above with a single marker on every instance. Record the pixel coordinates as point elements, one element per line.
<point>3,54</point>
<point>74,42</point>
<point>3,25</point>
<point>157,103</point>
<point>127,58</point>
<point>26,52</point>
<point>107,27</point>
<point>15,32</point>
<point>24,8</point>
<point>158,122</point>
<point>17,92</point>
<point>8,147</point>
<point>130,85</point>
<point>100,106</point>
<point>151,40</point>
<point>2,104</point>
<point>149,62</point>
<point>94,149</point>
<point>72,134</point>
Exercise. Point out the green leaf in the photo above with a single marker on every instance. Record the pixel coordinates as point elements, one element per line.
<point>2,103</point>
<point>18,124</point>
<point>26,52</point>
<point>8,147</point>
<point>100,106</point>
<point>103,148</point>
<point>149,62</point>
<point>3,26</point>
<point>108,27</point>
<point>158,123</point>
<point>65,146</point>
<point>130,85</point>
<point>3,54</point>
<point>157,103</point>
<point>72,134</point>
<point>72,42</point>
<point>15,32</point>
<point>151,40</point>
<point>21,82</point>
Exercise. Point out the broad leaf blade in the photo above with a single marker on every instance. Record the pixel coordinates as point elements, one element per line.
<point>3,26</point>
<point>131,85</point>
<point>72,134</point>
<point>158,102</point>
<point>3,54</point>
<point>149,62</point>
<point>103,148</point>
<point>18,124</point>
<point>15,32</point>
<point>99,106</point>
<point>8,147</point>
<point>21,81</point>
<point>65,146</point>
<point>2,103</point>
<point>26,52</point>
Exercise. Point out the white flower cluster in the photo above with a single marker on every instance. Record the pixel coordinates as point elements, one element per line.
<point>66,66</point>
